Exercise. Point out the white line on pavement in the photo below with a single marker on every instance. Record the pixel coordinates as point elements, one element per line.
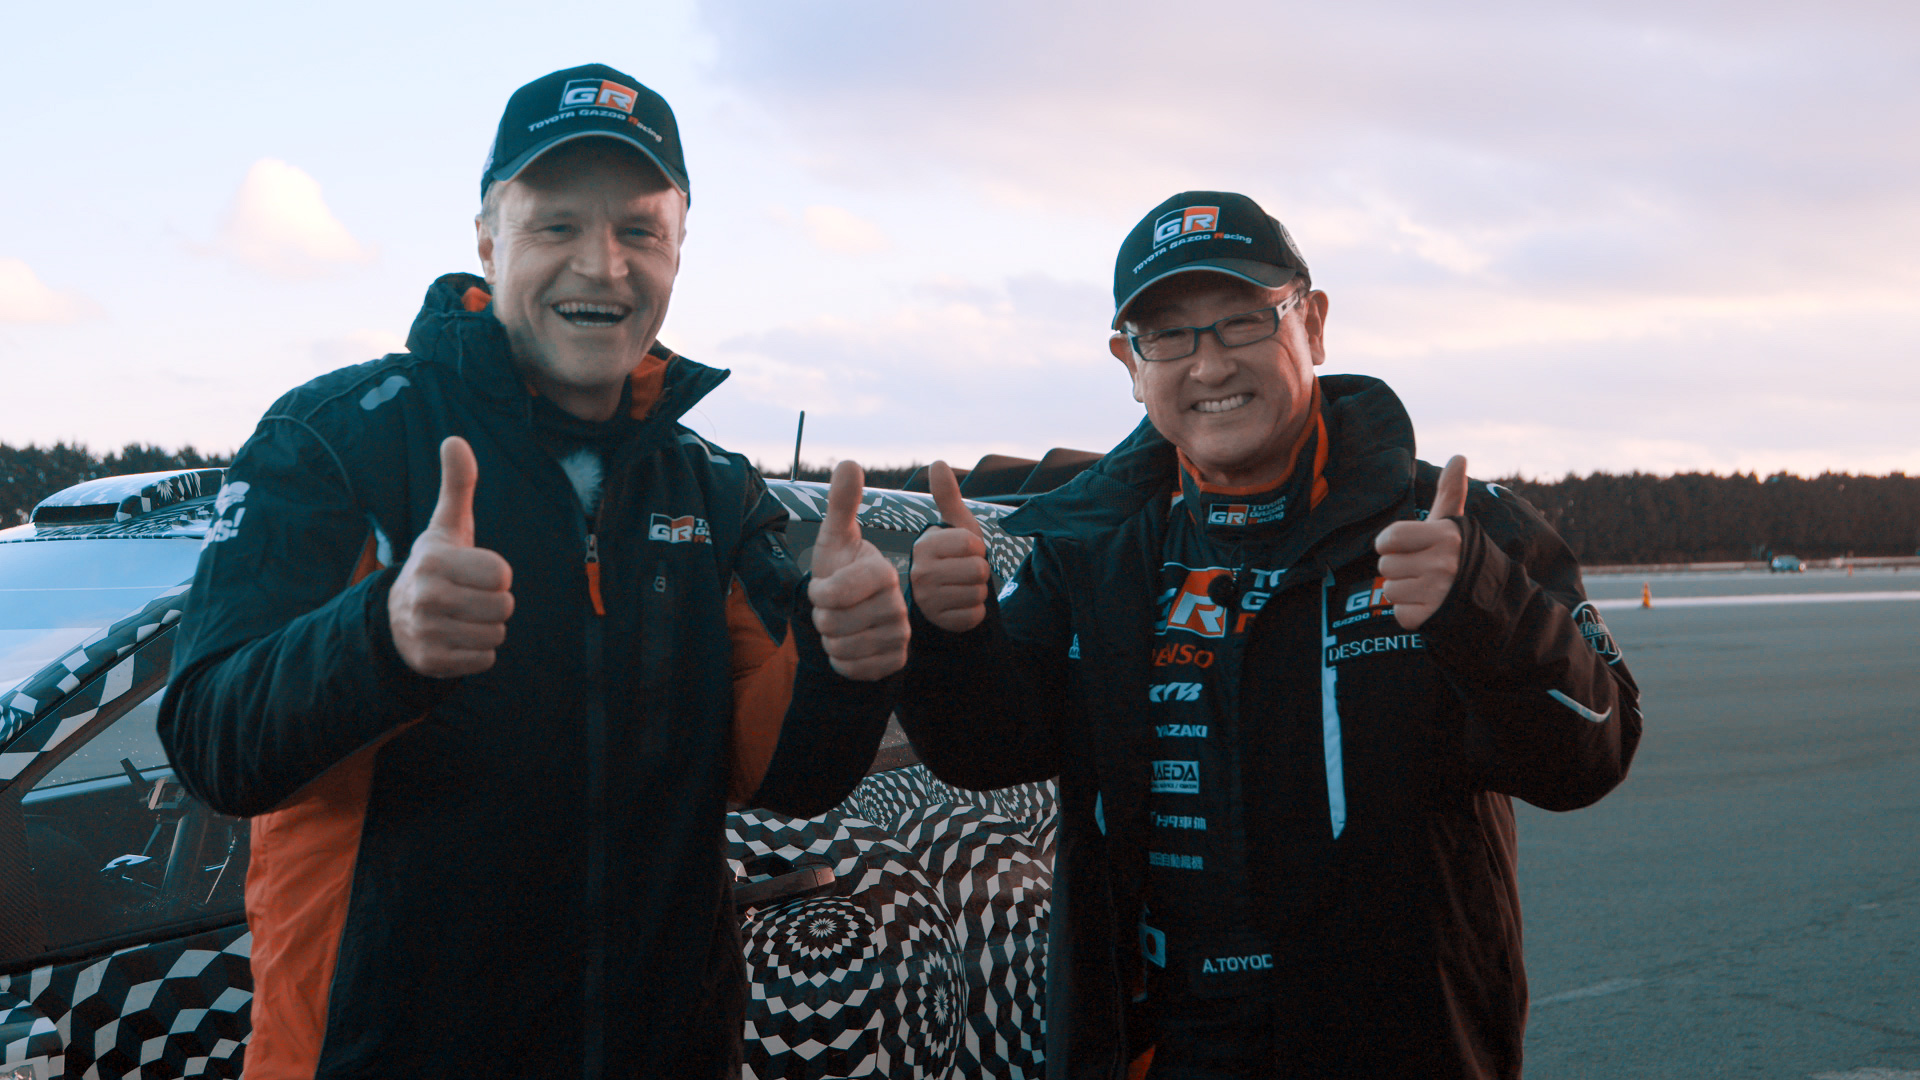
<point>1762,598</point>
<point>1611,986</point>
<point>1871,1073</point>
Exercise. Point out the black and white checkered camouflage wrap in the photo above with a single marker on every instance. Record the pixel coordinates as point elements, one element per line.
<point>27,1036</point>
<point>39,715</point>
<point>906,511</point>
<point>979,862</point>
<point>178,1008</point>
<point>864,981</point>
<point>140,493</point>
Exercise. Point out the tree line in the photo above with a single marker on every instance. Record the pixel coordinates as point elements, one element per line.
<point>1704,517</point>
<point>1604,517</point>
<point>31,473</point>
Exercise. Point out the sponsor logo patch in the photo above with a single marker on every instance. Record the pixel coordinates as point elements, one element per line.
<point>1594,629</point>
<point>1189,608</point>
<point>1187,219</point>
<point>678,530</point>
<point>1175,862</point>
<point>598,93</point>
<point>1369,602</point>
<point>1176,777</point>
<point>1248,513</point>
<point>1180,731</point>
<point>230,497</point>
<point>1371,599</point>
<point>1181,655</point>
<point>1174,691</point>
<point>1180,821</point>
<point>1385,643</point>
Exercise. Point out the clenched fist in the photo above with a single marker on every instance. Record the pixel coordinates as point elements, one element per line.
<point>450,605</point>
<point>1420,559</point>
<point>950,565</point>
<point>857,606</point>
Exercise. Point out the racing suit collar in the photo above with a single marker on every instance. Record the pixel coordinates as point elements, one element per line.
<point>1370,468</point>
<point>1259,514</point>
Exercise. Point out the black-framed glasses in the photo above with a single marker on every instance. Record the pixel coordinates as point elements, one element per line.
<point>1180,342</point>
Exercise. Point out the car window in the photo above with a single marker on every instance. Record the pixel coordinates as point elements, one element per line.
<point>112,856</point>
<point>132,738</point>
<point>55,593</point>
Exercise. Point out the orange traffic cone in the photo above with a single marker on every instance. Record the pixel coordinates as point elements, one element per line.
<point>1646,595</point>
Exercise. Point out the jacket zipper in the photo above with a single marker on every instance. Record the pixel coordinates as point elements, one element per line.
<point>594,977</point>
<point>1330,717</point>
<point>593,571</point>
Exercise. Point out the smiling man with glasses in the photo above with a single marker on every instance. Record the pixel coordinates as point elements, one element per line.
<point>1288,676</point>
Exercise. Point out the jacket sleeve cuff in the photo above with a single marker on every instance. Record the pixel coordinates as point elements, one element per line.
<point>930,640</point>
<point>832,729</point>
<point>1471,633</point>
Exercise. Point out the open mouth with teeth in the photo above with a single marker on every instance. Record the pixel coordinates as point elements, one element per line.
<point>1220,405</point>
<point>580,313</point>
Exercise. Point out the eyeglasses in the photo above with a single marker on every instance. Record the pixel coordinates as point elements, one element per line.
<point>1180,342</point>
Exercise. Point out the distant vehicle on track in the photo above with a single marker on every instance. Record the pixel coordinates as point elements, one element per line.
<point>902,934</point>
<point>1786,564</point>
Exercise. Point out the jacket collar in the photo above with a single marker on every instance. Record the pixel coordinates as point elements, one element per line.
<point>1369,468</point>
<point>449,330</point>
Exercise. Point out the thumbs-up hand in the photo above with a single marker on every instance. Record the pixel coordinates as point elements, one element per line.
<point>449,607</point>
<point>857,606</point>
<point>1419,559</point>
<point>950,565</point>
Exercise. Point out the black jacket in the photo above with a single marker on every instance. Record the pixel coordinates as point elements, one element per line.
<point>1381,838</point>
<point>537,881</point>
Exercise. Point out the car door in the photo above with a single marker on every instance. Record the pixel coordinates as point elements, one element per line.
<point>123,945</point>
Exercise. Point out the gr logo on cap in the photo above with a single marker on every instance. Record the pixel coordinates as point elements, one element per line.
<point>590,101</point>
<point>1204,230</point>
<point>1185,220</point>
<point>603,92</point>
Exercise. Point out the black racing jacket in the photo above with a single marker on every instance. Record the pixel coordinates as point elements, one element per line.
<point>1379,762</point>
<point>529,861</point>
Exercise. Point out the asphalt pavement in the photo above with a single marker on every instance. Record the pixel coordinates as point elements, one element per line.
<point>1747,904</point>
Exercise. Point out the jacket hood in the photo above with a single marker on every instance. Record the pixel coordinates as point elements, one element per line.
<point>456,327</point>
<point>1369,463</point>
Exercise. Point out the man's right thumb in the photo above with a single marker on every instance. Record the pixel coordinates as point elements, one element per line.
<point>946,496</point>
<point>459,472</point>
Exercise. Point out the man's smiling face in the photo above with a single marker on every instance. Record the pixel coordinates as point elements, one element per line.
<point>1236,412</point>
<point>580,252</point>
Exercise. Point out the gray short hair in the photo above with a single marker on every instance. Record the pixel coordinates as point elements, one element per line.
<point>490,205</point>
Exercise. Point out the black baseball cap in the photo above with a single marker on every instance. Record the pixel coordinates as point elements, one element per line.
<point>590,101</point>
<point>1204,230</point>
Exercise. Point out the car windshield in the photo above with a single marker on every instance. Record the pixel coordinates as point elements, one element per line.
<point>55,593</point>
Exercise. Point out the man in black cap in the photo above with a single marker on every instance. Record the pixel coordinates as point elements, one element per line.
<point>486,642</point>
<point>1289,677</point>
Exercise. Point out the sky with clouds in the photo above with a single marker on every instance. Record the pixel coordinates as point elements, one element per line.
<point>1574,237</point>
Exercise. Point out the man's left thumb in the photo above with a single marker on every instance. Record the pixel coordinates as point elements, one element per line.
<point>839,541</point>
<point>1450,500</point>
